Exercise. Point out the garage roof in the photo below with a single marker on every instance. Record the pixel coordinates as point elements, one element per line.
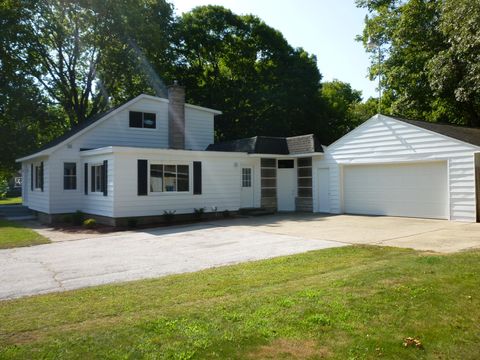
<point>469,135</point>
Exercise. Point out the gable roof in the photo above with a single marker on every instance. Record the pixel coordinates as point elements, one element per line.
<point>466,134</point>
<point>271,145</point>
<point>95,120</point>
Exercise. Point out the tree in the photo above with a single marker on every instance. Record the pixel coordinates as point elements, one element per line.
<point>247,69</point>
<point>429,50</point>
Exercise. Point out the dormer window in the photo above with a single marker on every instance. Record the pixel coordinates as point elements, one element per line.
<point>142,120</point>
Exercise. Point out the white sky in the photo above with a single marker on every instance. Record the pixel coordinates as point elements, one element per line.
<point>326,28</point>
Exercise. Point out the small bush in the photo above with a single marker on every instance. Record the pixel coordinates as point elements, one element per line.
<point>199,212</point>
<point>77,218</point>
<point>169,216</point>
<point>89,223</point>
<point>132,223</point>
<point>226,213</point>
<point>67,219</point>
<point>3,188</point>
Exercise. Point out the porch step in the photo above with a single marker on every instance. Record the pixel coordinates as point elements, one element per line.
<point>255,212</point>
<point>16,212</point>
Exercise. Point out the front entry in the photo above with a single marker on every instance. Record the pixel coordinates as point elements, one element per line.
<point>246,196</point>
<point>286,185</point>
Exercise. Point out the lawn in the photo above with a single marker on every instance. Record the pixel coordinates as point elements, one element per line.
<point>11,201</point>
<point>13,234</point>
<point>344,303</point>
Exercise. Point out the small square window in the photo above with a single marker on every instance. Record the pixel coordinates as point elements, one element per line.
<point>142,120</point>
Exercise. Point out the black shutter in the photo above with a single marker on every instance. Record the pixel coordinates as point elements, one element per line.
<point>41,176</point>
<point>32,175</point>
<point>85,179</point>
<point>142,178</point>
<point>197,177</point>
<point>92,179</point>
<point>105,177</point>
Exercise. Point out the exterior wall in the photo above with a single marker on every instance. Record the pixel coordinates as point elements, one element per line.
<point>386,140</point>
<point>220,183</point>
<point>198,129</point>
<point>37,200</point>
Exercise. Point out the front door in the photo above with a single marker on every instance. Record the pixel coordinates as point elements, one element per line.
<point>286,185</point>
<point>246,196</point>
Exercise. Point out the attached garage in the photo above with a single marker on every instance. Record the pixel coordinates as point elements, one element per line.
<point>398,167</point>
<point>405,189</point>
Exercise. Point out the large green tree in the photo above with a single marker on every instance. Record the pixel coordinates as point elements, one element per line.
<point>248,70</point>
<point>429,56</point>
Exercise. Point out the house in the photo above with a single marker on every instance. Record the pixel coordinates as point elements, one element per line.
<point>153,155</point>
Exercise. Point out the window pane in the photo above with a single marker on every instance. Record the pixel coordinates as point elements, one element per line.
<point>305,172</point>
<point>156,178</point>
<point>149,120</point>
<point>182,178</point>
<point>169,177</point>
<point>69,169</point>
<point>285,164</point>
<point>304,162</point>
<point>136,119</point>
<point>246,177</point>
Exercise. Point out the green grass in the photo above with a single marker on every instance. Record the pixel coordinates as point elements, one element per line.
<point>345,303</point>
<point>11,201</point>
<point>13,234</point>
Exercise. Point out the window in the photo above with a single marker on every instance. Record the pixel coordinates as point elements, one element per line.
<point>69,176</point>
<point>246,177</point>
<point>142,120</point>
<point>169,178</point>
<point>38,176</point>
<point>97,178</point>
<point>286,164</point>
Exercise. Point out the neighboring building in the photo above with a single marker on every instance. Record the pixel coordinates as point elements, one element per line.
<point>152,155</point>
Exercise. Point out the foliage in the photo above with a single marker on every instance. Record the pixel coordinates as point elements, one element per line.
<point>169,215</point>
<point>3,188</point>
<point>77,217</point>
<point>346,303</point>
<point>429,57</point>
<point>198,212</point>
<point>89,223</point>
<point>13,234</point>
<point>226,213</point>
<point>132,223</point>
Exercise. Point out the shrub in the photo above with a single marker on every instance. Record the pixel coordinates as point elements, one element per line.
<point>89,223</point>
<point>169,216</point>
<point>199,212</point>
<point>77,217</point>
<point>3,188</point>
<point>67,219</point>
<point>226,214</point>
<point>132,223</point>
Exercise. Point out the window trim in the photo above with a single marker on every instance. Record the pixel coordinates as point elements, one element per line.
<point>37,177</point>
<point>170,193</point>
<point>250,176</point>
<point>93,190</point>
<point>76,175</point>
<point>143,120</point>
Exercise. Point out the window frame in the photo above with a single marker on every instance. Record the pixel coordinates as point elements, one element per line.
<point>143,127</point>
<point>37,172</point>
<point>98,176</point>
<point>247,177</point>
<point>75,176</point>
<point>163,191</point>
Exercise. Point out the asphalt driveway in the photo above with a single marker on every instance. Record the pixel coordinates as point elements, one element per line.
<point>76,263</point>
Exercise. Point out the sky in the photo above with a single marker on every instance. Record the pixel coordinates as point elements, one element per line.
<point>326,28</point>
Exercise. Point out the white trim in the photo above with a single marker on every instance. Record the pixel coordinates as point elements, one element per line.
<point>141,151</point>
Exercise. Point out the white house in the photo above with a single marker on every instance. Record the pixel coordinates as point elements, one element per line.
<point>152,155</point>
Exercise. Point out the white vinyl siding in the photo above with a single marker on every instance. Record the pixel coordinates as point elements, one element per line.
<point>386,140</point>
<point>38,200</point>
<point>199,130</point>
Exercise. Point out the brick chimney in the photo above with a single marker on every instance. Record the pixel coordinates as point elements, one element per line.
<point>176,116</point>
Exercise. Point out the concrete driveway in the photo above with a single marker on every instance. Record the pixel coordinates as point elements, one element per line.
<point>157,252</point>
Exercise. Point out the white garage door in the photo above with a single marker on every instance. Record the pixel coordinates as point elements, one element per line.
<point>414,190</point>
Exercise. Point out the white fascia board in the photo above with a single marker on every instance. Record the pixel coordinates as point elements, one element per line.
<point>155,151</point>
<point>293,156</point>
<point>43,153</point>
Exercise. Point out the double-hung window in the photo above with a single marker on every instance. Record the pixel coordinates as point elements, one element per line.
<point>169,178</point>
<point>142,120</point>
<point>38,176</point>
<point>69,176</point>
<point>97,178</point>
